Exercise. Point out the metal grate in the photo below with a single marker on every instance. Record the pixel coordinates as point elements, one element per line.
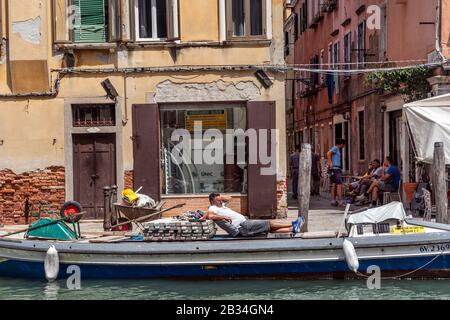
<point>94,115</point>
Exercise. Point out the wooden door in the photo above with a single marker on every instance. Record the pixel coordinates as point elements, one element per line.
<point>94,167</point>
<point>262,189</point>
<point>146,149</point>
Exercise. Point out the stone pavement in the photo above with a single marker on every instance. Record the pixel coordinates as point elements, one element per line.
<point>322,216</point>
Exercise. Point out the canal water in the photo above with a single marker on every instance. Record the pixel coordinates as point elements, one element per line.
<point>225,290</point>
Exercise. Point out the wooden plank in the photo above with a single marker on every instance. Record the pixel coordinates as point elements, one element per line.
<point>304,183</point>
<point>440,183</point>
<point>109,239</point>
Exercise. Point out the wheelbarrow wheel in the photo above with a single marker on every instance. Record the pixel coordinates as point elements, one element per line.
<point>69,209</point>
<point>125,227</point>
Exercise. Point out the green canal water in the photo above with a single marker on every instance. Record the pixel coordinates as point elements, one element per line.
<point>224,290</point>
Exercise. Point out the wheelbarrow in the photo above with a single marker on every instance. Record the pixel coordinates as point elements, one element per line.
<point>123,216</point>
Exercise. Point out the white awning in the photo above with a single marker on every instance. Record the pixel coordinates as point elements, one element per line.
<point>391,211</point>
<point>429,121</point>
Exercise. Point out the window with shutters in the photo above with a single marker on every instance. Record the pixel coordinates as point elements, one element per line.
<point>347,54</point>
<point>86,21</point>
<point>361,44</point>
<point>156,20</point>
<point>322,66</point>
<point>246,19</point>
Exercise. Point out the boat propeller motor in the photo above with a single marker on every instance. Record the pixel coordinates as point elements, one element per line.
<point>51,264</point>
<point>350,256</point>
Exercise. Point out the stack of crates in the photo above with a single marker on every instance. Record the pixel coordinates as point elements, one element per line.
<point>179,230</point>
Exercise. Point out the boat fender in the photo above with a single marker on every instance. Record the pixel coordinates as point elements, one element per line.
<point>51,264</point>
<point>350,256</point>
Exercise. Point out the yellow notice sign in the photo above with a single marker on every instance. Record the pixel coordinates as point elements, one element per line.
<point>210,119</point>
<point>407,230</point>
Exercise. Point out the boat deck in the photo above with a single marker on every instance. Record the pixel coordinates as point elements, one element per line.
<point>322,217</point>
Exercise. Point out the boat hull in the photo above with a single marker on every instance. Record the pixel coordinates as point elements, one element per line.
<point>439,268</point>
<point>428,255</point>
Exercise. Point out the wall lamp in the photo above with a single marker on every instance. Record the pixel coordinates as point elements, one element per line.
<point>110,90</point>
<point>263,79</point>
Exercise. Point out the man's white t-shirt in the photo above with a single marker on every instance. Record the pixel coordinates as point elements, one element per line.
<point>236,218</point>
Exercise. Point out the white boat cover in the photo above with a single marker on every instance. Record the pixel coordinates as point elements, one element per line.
<point>391,211</point>
<point>429,121</point>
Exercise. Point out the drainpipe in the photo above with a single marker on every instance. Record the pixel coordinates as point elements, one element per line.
<point>438,29</point>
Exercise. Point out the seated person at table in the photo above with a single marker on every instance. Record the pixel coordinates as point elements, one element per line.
<point>355,186</point>
<point>367,181</point>
<point>389,181</point>
<point>237,225</point>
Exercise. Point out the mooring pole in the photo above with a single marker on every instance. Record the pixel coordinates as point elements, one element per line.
<point>304,183</point>
<point>107,211</point>
<point>440,183</point>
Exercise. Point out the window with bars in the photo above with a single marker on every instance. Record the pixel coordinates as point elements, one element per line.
<point>94,115</point>
<point>246,18</point>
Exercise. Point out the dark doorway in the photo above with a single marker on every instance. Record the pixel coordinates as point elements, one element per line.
<point>341,131</point>
<point>395,120</point>
<point>94,167</point>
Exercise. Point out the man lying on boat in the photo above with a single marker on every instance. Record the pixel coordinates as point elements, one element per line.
<point>236,224</point>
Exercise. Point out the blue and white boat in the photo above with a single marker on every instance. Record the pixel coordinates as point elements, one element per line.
<point>382,237</point>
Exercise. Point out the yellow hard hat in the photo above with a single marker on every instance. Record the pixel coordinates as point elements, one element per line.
<point>129,196</point>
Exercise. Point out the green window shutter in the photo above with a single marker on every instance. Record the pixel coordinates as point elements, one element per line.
<point>90,24</point>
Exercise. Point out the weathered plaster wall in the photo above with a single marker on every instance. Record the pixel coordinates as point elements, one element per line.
<point>191,13</point>
<point>31,134</point>
<point>445,29</point>
<point>28,45</point>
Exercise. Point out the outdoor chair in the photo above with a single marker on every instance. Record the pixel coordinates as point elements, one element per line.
<point>389,197</point>
<point>428,205</point>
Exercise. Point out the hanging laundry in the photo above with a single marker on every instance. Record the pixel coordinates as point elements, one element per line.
<point>336,83</point>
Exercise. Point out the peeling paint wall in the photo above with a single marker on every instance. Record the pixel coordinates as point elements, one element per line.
<point>3,49</point>
<point>28,45</point>
<point>29,30</point>
<point>169,91</point>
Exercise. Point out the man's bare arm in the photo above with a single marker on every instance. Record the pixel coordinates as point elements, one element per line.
<point>215,217</point>
<point>329,156</point>
<point>225,198</point>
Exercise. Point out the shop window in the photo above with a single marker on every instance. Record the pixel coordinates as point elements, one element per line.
<point>190,176</point>
<point>156,19</point>
<point>93,115</point>
<point>85,21</point>
<point>246,18</point>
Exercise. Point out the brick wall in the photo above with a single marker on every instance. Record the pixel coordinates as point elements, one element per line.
<point>129,179</point>
<point>282,204</point>
<point>47,184</point>
<point>238,204</point>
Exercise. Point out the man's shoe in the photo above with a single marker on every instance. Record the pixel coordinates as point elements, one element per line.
<point>360,198</point>
<point>334,203</point>
<point>297,225</point>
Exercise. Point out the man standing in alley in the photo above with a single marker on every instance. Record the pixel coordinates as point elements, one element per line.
<point>335,166</point>
<point>293,169</point>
